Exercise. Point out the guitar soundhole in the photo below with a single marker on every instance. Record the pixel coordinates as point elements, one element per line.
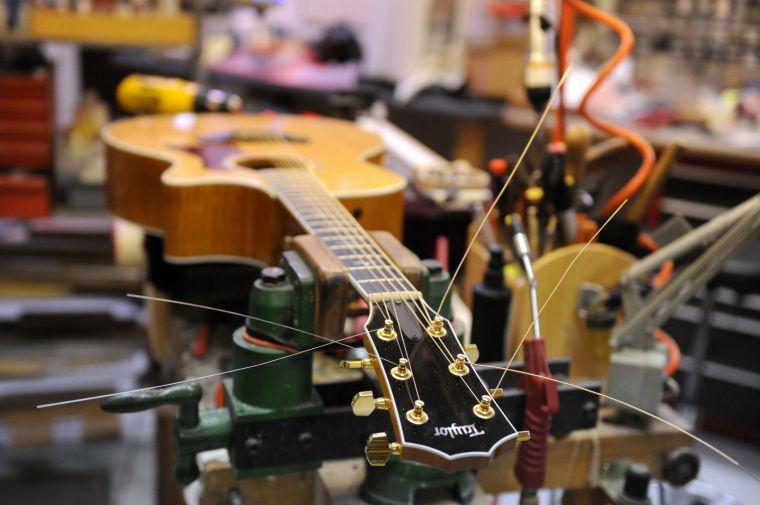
<point>272,162</point>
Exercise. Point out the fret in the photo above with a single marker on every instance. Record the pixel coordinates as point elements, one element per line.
<point>385,279</point>
<point>360,265</point>
<point>329,235</point>
<point>369,270</point>
<point>350,248</point>
<point>390,296</point>
<point>367,267</point>
<point>334,228</point>
<point>341,238</point>
<point>348,240</point>
<point>359,256</point>
<point>382,280</point>
<point>320,215</point>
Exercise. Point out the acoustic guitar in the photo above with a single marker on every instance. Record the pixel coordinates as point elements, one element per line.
<point>189,175</point>
<point>195,179</point>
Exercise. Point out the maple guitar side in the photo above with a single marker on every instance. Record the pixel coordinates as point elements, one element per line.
<point>227,212</point>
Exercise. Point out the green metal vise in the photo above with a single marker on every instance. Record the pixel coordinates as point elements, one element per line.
<point>274,419</point>
<point>257,395</point>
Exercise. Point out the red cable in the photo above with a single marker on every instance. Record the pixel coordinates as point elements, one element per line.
<point>200,346</point>
<point>541,401</point>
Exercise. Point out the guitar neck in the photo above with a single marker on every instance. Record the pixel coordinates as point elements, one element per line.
<point>369,269</point>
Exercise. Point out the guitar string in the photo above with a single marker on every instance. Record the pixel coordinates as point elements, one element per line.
<point>414,311</point>
<point>327,205</point>
<point>403,341</point>
<point>417,302</point>
<point>558,283</point>
<point>443,353</point>
<point>344,219</point>
<point>719,452</point>
<point>298,161</point>
<point>621,402</point>
<point>390,267</point>
<point>209,376</point>
<point>240,314</point>
<point>524,152</point>
<point>369,239</point>
<point>484,221</point>
<point>313,349</point>
<point>356,244</point>
<point>408,356</point>
<point>443,349</point>
<point>284,193</point>
<point>329,211</point>
<point>296,158</point>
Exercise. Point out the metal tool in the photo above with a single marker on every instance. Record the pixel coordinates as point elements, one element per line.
<point>491,301</point>
<point>542,398</point>
<point>268,429</point>
<point>637,360</point>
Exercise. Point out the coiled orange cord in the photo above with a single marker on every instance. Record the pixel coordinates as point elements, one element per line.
<point>569,9</point>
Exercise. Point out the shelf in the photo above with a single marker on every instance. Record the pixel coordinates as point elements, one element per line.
<point>110,29</point>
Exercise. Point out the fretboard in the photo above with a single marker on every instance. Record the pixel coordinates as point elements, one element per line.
<point>319,213</point>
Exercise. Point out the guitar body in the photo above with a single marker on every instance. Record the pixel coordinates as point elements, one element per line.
<point>231,187</point>
<point>189,179</point>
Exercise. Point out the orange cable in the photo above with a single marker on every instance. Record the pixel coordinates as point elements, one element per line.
<point>674,352</point>
<point>564,40</point>
<point>263,343</point>
<point>623,50</point>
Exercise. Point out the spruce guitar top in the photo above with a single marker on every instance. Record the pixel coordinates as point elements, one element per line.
<point>441,410</point>
<point>195,179</point>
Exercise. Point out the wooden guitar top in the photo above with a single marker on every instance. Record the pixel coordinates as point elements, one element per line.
<point>159,176</point>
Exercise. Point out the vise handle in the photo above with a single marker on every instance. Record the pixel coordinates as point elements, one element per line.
<point>187,396</point>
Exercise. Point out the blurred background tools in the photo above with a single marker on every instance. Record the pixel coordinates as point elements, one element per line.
<point>143,94</point>
<point>661,108</point>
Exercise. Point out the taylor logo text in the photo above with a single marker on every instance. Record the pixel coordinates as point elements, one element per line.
<point>455,431</point>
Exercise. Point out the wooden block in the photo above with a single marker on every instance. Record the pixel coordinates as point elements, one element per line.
<point>575,461</point>
<point>301,488</point>
<point>332,292</point>
<point>406,260</point>
<point>565,333</point>
<point>105,28</point>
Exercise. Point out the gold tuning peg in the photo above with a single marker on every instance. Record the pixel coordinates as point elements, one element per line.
<point>364,403</point>
<point>378,450</point>
<point>355,363</point>
<point>472,352</point>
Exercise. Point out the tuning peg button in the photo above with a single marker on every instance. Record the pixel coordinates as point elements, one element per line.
<point>436,328</point>
<point>378,450</point>
<point>364,403</point>
<point>472,352</point>
<point>355,363</point>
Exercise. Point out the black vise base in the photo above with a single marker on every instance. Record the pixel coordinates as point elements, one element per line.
<point>338,434</point>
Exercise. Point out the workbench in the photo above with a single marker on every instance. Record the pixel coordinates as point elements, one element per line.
<point>574,462</point>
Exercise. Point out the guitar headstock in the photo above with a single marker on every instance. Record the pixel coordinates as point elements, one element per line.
<point>441,410</point>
